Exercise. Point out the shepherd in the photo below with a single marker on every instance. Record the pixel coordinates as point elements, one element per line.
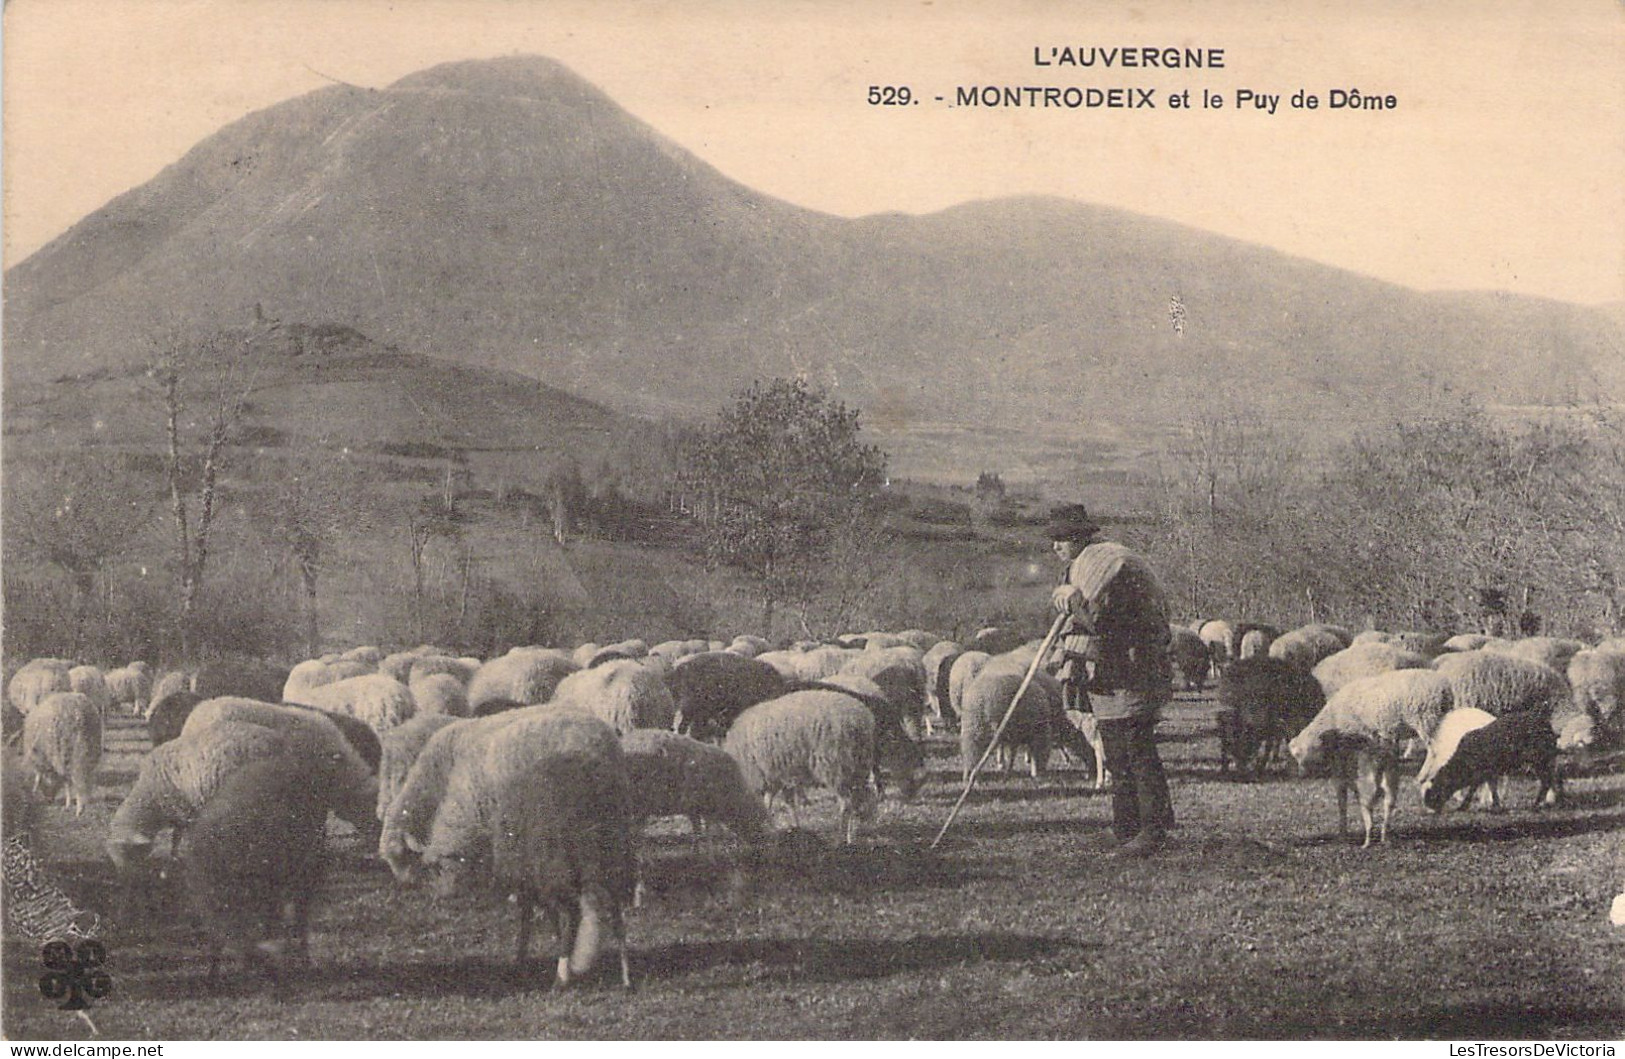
<point>1118,653</point>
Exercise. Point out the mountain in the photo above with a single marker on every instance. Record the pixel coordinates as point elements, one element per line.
<point>504,214</point>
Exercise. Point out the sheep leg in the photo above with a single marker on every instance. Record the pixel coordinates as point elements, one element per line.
<point>1388,778</point>
<point>1342,806</point>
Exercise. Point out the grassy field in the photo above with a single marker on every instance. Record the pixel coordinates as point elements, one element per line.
<point>1257,922</point>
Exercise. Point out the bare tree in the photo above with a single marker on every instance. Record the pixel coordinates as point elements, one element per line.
<point>203,386</point>
<point>309,504</point>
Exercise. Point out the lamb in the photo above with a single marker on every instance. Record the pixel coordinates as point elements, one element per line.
<point>624,693</point>
<point>710,690</point>
<point>1457,723</point>
<point>1360,729</point>
<point>440,693</point>
<point>563,841</point>
<point>527,675</point>
<point>1507,744</point>
<point>37,679</point>
<point>1033,725</point>
<point>1263,701</point>
<point>813,738</point>
<point>62,743</point>
<point>673,775</point>
<point>400,747</point>
<point>375,699</point>
<point>253,861</point>
<point>130,686</point>
<point>1190,656</point>
<point>1363,660</point>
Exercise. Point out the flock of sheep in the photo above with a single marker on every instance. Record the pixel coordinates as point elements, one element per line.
<point>535,772</point>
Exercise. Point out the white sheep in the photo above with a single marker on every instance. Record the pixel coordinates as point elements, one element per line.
<point>1501,683</point>
<point>808,739</point>
<point>1218,635</point>
<point>307,676</point>
<point>1364,659</point>
<point>1552,651</point>
<point>1470,641</point>
<point>1308,646</point>
<point>1255,642</point>
<point>62,743</point>
<point>748,645</point>
<point>459,836</point>
<point>963,671</point>
<point>440,693</point>
<point>375,699</point>
<point>624,693</point>
<point>367,656</point>
<point>89,682</point>
<point>410,816</point>
<point>171,683</point>
<point>398,665</point>
<point>37,679</point>
<point>131,686</point>
<point>1598,680</point>
<point>463,669</point>
<point>900,674</point>
<point>527,675</point>
<point>400,747</point>
<point>1033,725</point>
<point>1361,728</point>
<point>673,775</point>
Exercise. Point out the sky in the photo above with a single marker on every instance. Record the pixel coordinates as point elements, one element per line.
<point>1502,166</point>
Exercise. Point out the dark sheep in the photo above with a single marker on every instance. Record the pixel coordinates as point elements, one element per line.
<point>252,862</point>
<point>1263,702</point>
<point>714,688</point>
<point>564,841</point>
<point>168,716</point>
<point>1512,743</point>
<point>358,733</point>
<point>243,678</point>
<point>495,706</point>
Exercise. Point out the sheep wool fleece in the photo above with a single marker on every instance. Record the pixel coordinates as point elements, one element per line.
<point>1121,623</point>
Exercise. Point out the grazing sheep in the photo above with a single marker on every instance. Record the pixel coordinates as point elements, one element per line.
<point>528,675</point>
<point>1260,644</point>
<point>461,669</point>
<point>1501,684</point>
<point>37,679</point>
<point>1455,724</point>
<point>167,685</point>
<point>938,663</point>
<point>1033,725</point>
<point>398,666</point>
<point>1468,641</point>
<point>710,690</point>
<point>901,677</point>
<point>995,641</point>
<point>492,707</point>
<point>308,676</point>
<point>1263,702</point>
<point>1219,636</point>
<point>1309,646</point>
<point>625,650</point>
<point>1428,644</point>
<point>343,739</point>
<point>1382,710</point>
<point>400,747</point>
<point>1363,660</point>
<point>130,686</point>
<point>1551,651</point>
<point>379,701</point>
<point>1371,636</point>
<point>356,732</point>
<point>964,670</point>
<point>410,816</point>
<point>253,861</point>
<point>440,693</point>
<point>177,778</point>
<point>1190,656</point>
<point>367,656</point>
<point>459,837</point>
<point>168,715</point>
<point>1507,744</point>
<point>624,693</point>
<point>748,645</point>
<point>807,739</point>
<point>673,775</point>
<point>563,840</point>
<point>62,743</point>
<point>898,753</point>
<point>1597,678</point>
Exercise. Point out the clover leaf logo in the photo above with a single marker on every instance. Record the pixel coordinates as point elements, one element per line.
<point>73,975</point>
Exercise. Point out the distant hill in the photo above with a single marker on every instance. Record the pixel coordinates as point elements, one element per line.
<point>504,214</point>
